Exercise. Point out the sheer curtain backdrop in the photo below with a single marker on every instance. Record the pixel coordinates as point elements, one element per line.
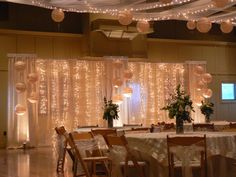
<point>70,92</point>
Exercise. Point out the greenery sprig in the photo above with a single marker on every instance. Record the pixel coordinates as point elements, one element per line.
<point>110,110</point>
<point>207,108</point>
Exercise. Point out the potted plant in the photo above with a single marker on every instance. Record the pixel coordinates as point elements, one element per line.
<point>179,107</point>
<point>207,109</point>
<point>110,111</point>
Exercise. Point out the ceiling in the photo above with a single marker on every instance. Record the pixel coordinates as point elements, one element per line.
<point>151,10</point>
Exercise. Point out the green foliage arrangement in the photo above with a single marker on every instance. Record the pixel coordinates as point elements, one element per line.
<point>110,110</point>
<point>180,106</point>
<point>207,109</point>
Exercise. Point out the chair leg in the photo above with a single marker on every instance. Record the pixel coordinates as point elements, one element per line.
<point>61,162</point>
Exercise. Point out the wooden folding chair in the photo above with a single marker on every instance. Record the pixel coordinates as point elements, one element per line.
<point>138,130</point>
<point>203,127</point>
<point>232,125</point>
<point>88,126</point>
<point>193,143</point>
<point>130,159</point>
<point>104,132</point>
<point>132,125</point>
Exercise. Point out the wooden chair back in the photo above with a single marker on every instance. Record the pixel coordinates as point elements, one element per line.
<point>138,130</point>
<point>203,127</point>
<point>168,127</point>
<point>186,142</point>
<point>232,125</point>
<point>132,125</point>
<point>88,126</point>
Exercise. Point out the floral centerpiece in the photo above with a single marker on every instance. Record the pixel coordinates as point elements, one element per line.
<point>110,111</point>
<point>179,107</point>
<point>207,109</point>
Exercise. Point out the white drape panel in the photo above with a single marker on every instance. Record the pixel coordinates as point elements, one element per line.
<point>70,93</point>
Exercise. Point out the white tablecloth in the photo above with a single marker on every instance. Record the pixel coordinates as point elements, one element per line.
<point>153,148</point>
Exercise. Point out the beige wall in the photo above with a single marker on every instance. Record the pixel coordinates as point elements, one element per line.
<point>45,45</point>
<point>221,62</point>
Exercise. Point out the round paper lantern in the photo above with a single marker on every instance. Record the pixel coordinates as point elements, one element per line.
<point>32,77</point>
<point>207,93</point>
<point>33,98</point>
<point>125,18</point>
<point>20,87</point>
<point>143,26</point>
<point>198,70</point>
<point>226,27</point>
<point>204,25</point>
<point>117,99</point>
<point>207,78</point>
<point>20,110</point>
<point>191,25</point>
<point>165,1</point>
<point>117,82</point>
<point>128,74</point>
<point>220,3</point>
<point>127,92</point>
<point>19,65</point>
<point>58,15</point>
<point>198,100</point>
<point>117,64</point>
<point>200,85</point>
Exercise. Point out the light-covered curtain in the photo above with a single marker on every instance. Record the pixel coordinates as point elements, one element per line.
<point>70,92</point>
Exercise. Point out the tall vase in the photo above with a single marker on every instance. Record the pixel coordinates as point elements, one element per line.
<point>207,119</point>
<point>110,122</point>
<point>179,125</point>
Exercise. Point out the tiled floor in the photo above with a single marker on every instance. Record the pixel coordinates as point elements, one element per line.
<point>37,162</point>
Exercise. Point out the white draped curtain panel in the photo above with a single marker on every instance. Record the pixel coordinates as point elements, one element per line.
<point>70,92</point>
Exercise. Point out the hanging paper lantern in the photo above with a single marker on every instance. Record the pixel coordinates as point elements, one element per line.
<point>220,3</point>
<point>58,15</point>
<point>165,1</point>
<point>128,74</point>
<point>32,77</point>
<point>117,64</point>
<point>191,25</point>
<point>33,98</point>
<point>117,99</point>
<point>200,85</point>
<point>207,78</point>
<point>125,17</point>
<point>127,92</point>
<point>226,27</point>
<point>198,70</point>
<point>207,93</point>
<point>20,110</point>
<point>204,25</point>
<point>143,26</point>
<point>20,87</point>
<point>19,65</point>
<point>198,100</point>
<point>117,82</point>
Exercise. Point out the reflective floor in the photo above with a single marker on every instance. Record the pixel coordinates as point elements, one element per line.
<point>37,162</point>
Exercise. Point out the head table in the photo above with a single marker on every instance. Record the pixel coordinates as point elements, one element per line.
<point>153,148</point>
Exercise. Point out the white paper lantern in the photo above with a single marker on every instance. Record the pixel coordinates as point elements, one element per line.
<point>32,77</point>
<point>207,93</point>
<point>118,64</point>
<point>20,87</point>
<point>204,25</point>
<point>33,98</point>
<point>117,82</point>
<point>191,25</point>
<point>19,65</point>
<point>200,85</point>
<point>220,3</point>
<point>20,110</point>
<point>128,74</point>
<point>226,27</point>
<point>165,1</point>
<point>207,78</point>
<point>117,99</point>
<point>58,15</point>
<point>125,17</point>
<point>143,26</point>
<point>127,92</point>
<point>198,70</point>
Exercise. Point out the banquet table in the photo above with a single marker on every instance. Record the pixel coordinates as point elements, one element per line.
<point>152,147</point>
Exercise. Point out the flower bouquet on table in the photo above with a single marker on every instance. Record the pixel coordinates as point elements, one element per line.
<point>179,107</point>
<point>111,111</point>
<point>207,109</point>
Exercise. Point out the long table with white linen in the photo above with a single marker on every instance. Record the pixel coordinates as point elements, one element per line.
<point>153,148</point>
